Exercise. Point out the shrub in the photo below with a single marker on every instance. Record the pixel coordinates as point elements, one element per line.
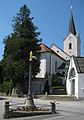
<point>6,87</point>
<point>56,81</point>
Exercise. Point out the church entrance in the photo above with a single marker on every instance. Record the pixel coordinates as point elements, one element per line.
<point>73,87</point>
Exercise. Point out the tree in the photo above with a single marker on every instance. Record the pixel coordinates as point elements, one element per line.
<point>1,73</point>
<point>18,45</point>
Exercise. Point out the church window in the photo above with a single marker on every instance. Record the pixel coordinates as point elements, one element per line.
<point>70,45</point>
<point>72,73</point>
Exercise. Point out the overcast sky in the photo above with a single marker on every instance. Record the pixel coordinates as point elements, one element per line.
<point>50,16</point>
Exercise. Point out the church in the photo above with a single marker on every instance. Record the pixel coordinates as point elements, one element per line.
<point>67,62</point>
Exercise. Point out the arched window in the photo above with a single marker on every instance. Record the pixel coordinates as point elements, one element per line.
<point>70,45</point>
<point>72,73</point>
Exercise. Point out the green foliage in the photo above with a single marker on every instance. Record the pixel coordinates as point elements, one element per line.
<point>1,73</point>
<point>17,48</point>
<point>56,80</point>
<point>6,87</point>
<point>60,75</point>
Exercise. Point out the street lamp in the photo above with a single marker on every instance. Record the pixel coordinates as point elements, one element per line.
<point>30,102</point>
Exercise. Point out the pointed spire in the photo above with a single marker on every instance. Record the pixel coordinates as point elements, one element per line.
<point>71,24</point>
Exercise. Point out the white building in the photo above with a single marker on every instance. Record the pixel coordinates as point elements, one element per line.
<point>50,61</point>
<point>55,60</point>
<point>53,57</point>
<point>75,78</point>
<point>49,64</point>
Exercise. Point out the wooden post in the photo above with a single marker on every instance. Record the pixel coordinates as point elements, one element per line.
<point>6,111</point>
<point>53,108</point>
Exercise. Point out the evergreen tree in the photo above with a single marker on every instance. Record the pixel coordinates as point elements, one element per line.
<point>1,73</point>
<point>18,45</point>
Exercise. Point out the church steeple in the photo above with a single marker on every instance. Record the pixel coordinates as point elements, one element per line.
<point>72,25</point>
<point>72,41</point>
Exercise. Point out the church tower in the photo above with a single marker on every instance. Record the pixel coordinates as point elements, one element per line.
<point>72,40</point>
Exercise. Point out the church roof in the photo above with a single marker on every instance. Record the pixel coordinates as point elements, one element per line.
<point>79,62</point>
<point>59,49</point>
<point>72,25</point>
<point>60,52</point>
<point>44,48</point>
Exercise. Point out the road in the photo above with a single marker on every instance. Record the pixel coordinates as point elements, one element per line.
<point>66,110</point>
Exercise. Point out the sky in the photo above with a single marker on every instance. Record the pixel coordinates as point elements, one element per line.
<point>50,16</point>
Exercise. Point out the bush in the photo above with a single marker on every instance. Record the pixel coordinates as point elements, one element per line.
<point>6,87</point>
<point>56,81</point>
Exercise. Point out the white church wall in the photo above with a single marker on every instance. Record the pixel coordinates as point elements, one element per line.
<point>44,65</point>
<point>81,86</point>
<point>68,87</point>
<point>76,86</point>
<point>55,63</point>
<point>49,63</point>
<point>42,72</point>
